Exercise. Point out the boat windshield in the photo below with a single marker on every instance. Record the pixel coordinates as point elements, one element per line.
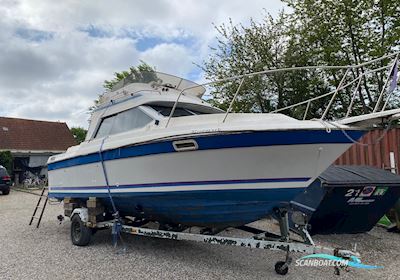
<point>123,121</point>
<point>158,78</point>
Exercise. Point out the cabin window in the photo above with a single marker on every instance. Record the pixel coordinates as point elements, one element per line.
<point>105,127</point>
<point>122,122</point>
<point>179,112</point>
<point>128,120</point>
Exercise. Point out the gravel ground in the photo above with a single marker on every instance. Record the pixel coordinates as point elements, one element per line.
<point>47,253</point>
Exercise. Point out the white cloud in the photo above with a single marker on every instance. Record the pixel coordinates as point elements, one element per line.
<point>56,54</point>
<point>169,58</point>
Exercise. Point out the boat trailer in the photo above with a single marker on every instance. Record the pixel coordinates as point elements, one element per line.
<point>82,229</point>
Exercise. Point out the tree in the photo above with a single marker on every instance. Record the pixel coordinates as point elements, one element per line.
<point>242,50</point>
<point>143,73</point>
<point>315,32</point>
<point>79,133</point>
<point>269,44</point>
<point>350,32</point>
<point>6,160</point>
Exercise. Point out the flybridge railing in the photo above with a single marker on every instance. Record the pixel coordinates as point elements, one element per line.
<point>308,102</point>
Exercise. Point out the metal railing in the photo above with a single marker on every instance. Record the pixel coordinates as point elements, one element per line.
<point>308,102</point>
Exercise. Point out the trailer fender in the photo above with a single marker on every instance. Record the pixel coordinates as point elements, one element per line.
<point>83,214</point>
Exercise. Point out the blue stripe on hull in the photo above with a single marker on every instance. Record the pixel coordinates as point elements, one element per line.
<point>217,208</point>
<point>190,183</point>
<point>220,141</point>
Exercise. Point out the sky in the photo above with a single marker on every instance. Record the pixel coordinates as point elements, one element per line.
<point>55,55</point>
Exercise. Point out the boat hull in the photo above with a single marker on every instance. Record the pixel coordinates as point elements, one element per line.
<point>222,208</point>
<point>229,180</point>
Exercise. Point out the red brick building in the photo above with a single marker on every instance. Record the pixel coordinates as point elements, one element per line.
<point>31,142</point>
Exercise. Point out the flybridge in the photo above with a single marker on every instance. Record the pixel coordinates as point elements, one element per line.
<point>150,82</point>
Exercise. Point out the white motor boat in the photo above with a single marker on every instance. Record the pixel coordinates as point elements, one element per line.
<point>158,151</point>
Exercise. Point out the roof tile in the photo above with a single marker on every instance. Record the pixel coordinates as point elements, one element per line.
<point>31,135</point>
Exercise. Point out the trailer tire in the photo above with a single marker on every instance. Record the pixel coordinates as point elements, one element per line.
<point>281,268</point>
<point>80,233</point>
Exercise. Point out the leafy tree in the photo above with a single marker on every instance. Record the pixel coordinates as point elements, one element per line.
<point>242,50</point>
<point>79,133</point>
<point>6,160</point>
<point>269,44</point>
<point>143,73</point>
<point>315,32</point>
<point>350,32</point>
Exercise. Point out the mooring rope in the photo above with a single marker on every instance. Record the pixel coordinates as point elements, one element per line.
<point>377,141</point>
<point>117,226</point>
<point>116,213</point>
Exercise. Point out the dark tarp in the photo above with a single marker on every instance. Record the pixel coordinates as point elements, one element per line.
<point>348,199</point>
<point>361,175</point>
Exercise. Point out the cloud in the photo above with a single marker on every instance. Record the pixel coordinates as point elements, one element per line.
<point>55,55</point>
<point>169,58</point>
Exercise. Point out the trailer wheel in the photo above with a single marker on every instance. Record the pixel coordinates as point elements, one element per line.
<point>80,233</point>
<point>281,268</point>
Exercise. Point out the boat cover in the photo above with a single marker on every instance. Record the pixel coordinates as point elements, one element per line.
<point>348,199</point>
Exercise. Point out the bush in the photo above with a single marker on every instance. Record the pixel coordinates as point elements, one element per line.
<point>6,160</point>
